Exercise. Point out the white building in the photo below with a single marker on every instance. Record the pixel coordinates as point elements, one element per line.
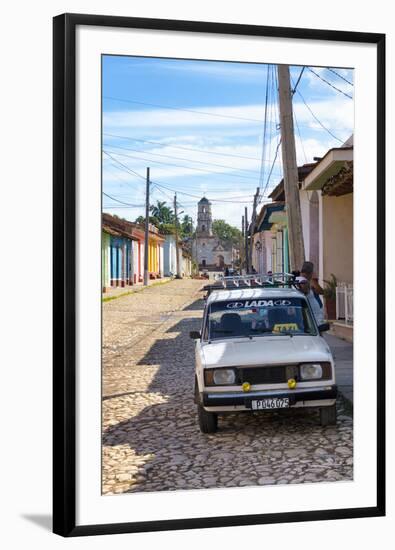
<point>211,253</point>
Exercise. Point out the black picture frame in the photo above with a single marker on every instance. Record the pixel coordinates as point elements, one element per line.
<point>64,273</point>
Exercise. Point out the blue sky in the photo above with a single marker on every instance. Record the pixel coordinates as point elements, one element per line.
<point>199,126</point>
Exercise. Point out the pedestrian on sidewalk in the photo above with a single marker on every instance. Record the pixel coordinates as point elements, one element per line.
<point>307,271</point>
<point>304,286</point>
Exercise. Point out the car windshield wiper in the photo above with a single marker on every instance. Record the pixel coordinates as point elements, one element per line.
<point>231,333</point>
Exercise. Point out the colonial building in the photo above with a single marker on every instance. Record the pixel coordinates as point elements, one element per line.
<point>211,253</point>
<point>123,252</point>
<point>330,221</point>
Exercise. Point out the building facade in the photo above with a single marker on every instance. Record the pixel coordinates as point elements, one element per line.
<point>327,195</point>
<point>123,252</point>
<point>270,240</point>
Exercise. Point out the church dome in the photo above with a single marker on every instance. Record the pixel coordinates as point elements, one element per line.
<point>204,200</point>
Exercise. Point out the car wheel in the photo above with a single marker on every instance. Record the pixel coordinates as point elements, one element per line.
<point>196,392</point>
<point>328,415</point>
<point>208,421</point>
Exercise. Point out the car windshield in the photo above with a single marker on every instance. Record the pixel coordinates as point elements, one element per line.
<point>260,317</point>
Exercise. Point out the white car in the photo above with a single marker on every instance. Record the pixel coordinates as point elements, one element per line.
<point>261,349</point>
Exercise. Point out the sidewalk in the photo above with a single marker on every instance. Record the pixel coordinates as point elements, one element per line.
<point>117,291</point>
<point>343,355</point>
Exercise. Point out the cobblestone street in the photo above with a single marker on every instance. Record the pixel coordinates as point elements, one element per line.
<point>151,438</point>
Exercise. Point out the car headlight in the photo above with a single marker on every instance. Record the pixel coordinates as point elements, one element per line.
<point>310,371</point>
<point>224,377</point>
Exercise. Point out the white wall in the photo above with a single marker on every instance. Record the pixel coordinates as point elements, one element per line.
<point>26,352</point>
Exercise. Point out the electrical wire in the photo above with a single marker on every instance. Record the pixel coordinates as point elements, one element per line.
<point>263,156</point>
<point>121,202</point>
<point>330,84</point>
<point>180,158</point>
<point>181,109</point>
<point>317,119</point>
<point>298,80</point>
<point>180,147</point>
<point>339,75</point>
<point>300,138</point>
<point>182,166</point>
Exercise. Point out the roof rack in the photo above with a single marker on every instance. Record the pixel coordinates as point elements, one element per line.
<point>255,280</point>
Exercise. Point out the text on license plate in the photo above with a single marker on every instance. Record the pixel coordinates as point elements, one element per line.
<point>270,403</point>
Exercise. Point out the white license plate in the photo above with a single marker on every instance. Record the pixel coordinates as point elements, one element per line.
<point>270,403</point>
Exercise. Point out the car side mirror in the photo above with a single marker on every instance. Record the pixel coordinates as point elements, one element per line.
<point>195,334</point>
<point>324,327</point>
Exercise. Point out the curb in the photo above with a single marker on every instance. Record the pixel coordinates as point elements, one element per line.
<point>140,289</point>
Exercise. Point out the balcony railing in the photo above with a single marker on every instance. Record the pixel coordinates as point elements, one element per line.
<point>345,302</point>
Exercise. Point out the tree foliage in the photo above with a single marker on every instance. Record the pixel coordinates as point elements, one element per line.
<point>162,216</point>
<point>226,232</point>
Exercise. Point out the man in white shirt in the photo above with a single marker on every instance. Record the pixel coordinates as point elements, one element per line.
<point>304,286</point>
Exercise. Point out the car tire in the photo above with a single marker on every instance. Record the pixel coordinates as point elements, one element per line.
<point>196,392</point>
<point>328,415</point>
<point>208,421</point>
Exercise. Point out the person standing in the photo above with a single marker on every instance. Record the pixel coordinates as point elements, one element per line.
<point>307,271</point>
<point>304,286</point>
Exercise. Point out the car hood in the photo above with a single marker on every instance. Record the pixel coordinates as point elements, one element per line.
<point>269,350</point>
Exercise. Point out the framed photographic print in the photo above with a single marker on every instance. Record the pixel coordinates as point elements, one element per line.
<point>218,272</point>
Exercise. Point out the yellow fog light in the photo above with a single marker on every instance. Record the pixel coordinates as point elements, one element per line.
<point>246,386</point>
<point>292,383</point>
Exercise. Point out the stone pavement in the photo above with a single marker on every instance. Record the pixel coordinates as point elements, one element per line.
<point>124,290</point>
<point>342,352</point>
<point>151,438</point>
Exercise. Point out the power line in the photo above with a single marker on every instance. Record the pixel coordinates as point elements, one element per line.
<point>181,109</point>
<point>124,167</point>
<point>271,169</point>
<point>182,166</point>
<point>108,207</point>
<point>296,120</point>
<point>329,83</point>
<point>272,121</point>
<point>180,147</point>
<point>121,202</point>
<point>275,80</point>
<point>300,138</point>
<point>298,80</point>
<point>317,119</point>
<point>196,196</point>
<point>263,155</point>
<point>339,75</point>
<point>180,158</point>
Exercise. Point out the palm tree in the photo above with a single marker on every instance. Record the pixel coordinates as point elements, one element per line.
<point>162,213</point>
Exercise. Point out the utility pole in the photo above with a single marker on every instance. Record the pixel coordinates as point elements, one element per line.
<point>247,263</point>
<point>253,223</point>
<point>291,187</point>
<point>178,276</point>
<point>146,237</point>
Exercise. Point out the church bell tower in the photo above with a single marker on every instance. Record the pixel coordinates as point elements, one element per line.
<point>204,218</point>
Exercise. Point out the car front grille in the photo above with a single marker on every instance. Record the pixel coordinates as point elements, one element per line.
<point>267,375</point>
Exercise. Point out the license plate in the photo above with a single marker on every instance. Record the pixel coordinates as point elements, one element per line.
<point>270,403</point>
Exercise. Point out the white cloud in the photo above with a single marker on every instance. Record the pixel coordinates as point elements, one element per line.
<point>211,134</point>
<point>210,116</point>
<point>246,72</point>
